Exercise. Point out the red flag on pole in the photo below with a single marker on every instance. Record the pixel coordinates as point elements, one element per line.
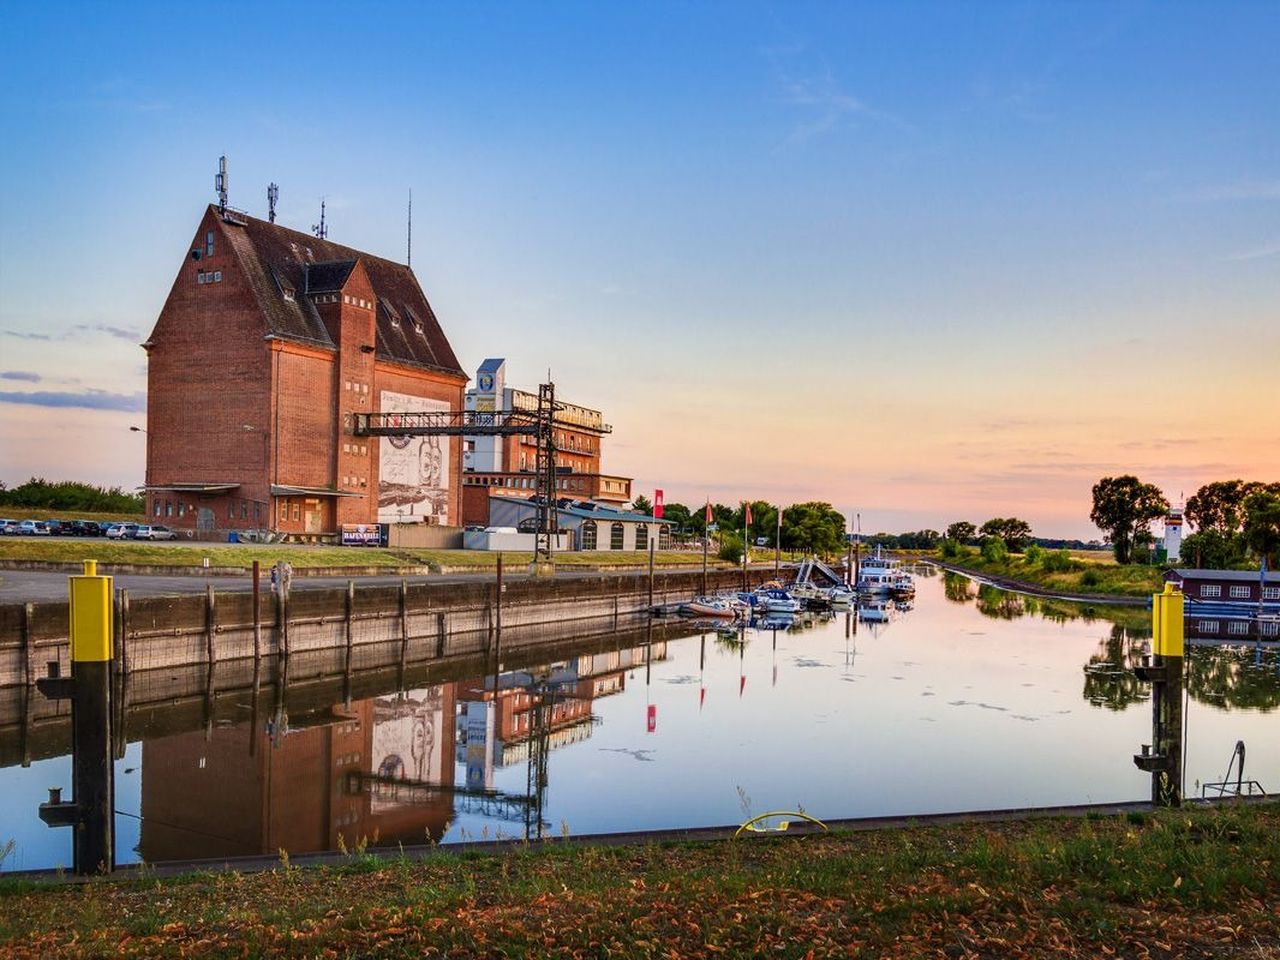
<point>748,514</point>
<point>708,512</point>
<point>657,504</point>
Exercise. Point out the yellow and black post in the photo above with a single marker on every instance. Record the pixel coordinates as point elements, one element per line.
<point>92,811</point>
<point>1162,758</point>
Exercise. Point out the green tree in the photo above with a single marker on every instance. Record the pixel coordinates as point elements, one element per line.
<point>813,527</point>
<point>642,504</point>
<point>1220,505</point>
<point>994,550</point>
<point>1212,549</point>
<point>680,517</point>
<point>1262,525</point>
<point>962,531</point>
<point>1014,532</point>
<point>1124,507</point>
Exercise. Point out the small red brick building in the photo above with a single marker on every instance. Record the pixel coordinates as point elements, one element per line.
<point>270,339</point>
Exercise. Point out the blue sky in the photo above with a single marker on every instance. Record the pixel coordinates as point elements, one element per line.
<point>925,261</point>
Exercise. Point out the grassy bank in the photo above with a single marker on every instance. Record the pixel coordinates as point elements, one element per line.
<point>1059,573</point>
<point>302,557</point>
<point>1179,883</point>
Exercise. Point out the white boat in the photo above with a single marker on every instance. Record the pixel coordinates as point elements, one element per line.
<point>879,576</point>
<point>717,607</point>
<point>778,601</point>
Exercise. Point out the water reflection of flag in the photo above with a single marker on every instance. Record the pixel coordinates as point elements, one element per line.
<point>742,684</point>
<point>702,696</point>
<point>653,717</point>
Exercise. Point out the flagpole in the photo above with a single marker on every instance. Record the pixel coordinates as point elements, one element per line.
<point>777,546</point>
<point>746,534</point>
<point>706,537</point>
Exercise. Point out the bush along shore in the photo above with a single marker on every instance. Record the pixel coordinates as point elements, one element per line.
<point>1057,572</point>
<point>1196,882</point>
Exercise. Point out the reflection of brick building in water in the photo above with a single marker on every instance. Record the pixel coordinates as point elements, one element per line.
<point>494,729</point>
<point>210,798</point>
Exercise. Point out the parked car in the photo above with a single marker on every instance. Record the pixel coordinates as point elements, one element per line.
<point>8,527</point>
<point>157,531</point>
<point>33,528</point>
<point>122,531</point>
<point>80,528</point>
<point>58,528</point>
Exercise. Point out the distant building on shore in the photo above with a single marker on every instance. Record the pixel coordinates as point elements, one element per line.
<point>269,341</point>
<point>507,466</point>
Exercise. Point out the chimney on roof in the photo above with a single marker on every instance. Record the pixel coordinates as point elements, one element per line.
<point>220,184</point>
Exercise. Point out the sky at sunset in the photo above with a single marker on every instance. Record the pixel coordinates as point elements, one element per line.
<point>927,262</point>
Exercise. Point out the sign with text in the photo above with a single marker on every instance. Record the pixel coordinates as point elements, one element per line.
<point>363,535</point>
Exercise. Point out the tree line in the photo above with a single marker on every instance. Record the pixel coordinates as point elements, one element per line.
<point>71,496</point>
<point>1237,522</point>
<point>813,527</point>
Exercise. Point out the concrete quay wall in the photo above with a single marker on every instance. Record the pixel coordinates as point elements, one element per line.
<point>174,632</point>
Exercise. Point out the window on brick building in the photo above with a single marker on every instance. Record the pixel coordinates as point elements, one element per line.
<point>182,509</point>
<point>157,507</point>
<point>244,509</point>
<point>297,511</point>
<point>208,244</point>
<point>168,508</point>
<point>231,509</point>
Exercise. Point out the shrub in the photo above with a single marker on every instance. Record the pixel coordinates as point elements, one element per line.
<point>1059,561</point>
<point>994,550</point>
<point>1089,578</point>
<point>950,549</point>
<point>730,548</point>
<point>1034,554</point>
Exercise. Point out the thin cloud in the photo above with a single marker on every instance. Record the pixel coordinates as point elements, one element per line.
<point>23,335</point>
<point>1257,253</point>
<point>119,332</point>
<point>1240,190</point>
<point>90,400</point>
<point>20,375</point>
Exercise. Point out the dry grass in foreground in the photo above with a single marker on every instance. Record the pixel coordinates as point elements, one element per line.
<point>1193,883</point>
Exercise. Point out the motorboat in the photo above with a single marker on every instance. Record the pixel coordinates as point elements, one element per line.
<point>717,607</point>
<point>777,601</point>
<point>880,576</point>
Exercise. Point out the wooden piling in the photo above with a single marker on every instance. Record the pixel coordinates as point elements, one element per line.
<point>349,611</point>
<point>209,612</point>
<point>440,626</point>
<point>257,619</point>
<point>404,623</point>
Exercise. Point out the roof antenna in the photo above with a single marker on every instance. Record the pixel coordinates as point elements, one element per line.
<point>273,194</point>
<point>319,229</point>
<point>408,261</point>
<point>220,184</point>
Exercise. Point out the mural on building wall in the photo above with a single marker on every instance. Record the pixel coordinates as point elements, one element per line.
<point>413,475</point>
<point>407,741</point>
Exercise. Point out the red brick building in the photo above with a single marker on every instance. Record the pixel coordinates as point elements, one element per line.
<point>270,339</point>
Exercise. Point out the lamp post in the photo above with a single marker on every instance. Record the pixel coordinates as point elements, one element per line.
<point>146,470</point>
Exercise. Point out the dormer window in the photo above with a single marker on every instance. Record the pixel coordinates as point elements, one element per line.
<point>288,294</point>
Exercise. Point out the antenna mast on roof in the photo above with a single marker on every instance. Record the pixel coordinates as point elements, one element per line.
<point>273,194</point>
<point>319,229</point>
<point>220,184</point>
<point>408,256</point>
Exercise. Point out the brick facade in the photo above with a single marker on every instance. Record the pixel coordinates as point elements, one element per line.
<point>268,341</point>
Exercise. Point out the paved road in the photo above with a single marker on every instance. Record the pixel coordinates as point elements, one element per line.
<point>23,586</point>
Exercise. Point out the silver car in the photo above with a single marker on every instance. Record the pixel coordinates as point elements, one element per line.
<point>156,531</point>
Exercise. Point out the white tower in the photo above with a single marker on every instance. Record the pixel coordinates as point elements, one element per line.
<point>1173,535</point>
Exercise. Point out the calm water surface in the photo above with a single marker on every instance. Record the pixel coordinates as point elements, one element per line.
<point>972,700</point>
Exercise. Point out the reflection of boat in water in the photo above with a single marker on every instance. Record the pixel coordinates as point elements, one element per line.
<point>773,621</point>
<point>875,611</point>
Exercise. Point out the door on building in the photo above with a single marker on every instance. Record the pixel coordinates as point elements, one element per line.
<point>311,516</point>
<point>204,518</point>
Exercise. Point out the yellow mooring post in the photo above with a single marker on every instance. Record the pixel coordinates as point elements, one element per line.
<point>1162,758</point>
<point>91,812</point>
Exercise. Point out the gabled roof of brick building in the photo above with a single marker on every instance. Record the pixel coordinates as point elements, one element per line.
<point>284,265</point>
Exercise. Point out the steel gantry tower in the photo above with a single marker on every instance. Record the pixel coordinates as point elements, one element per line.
<point>475,423</point>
